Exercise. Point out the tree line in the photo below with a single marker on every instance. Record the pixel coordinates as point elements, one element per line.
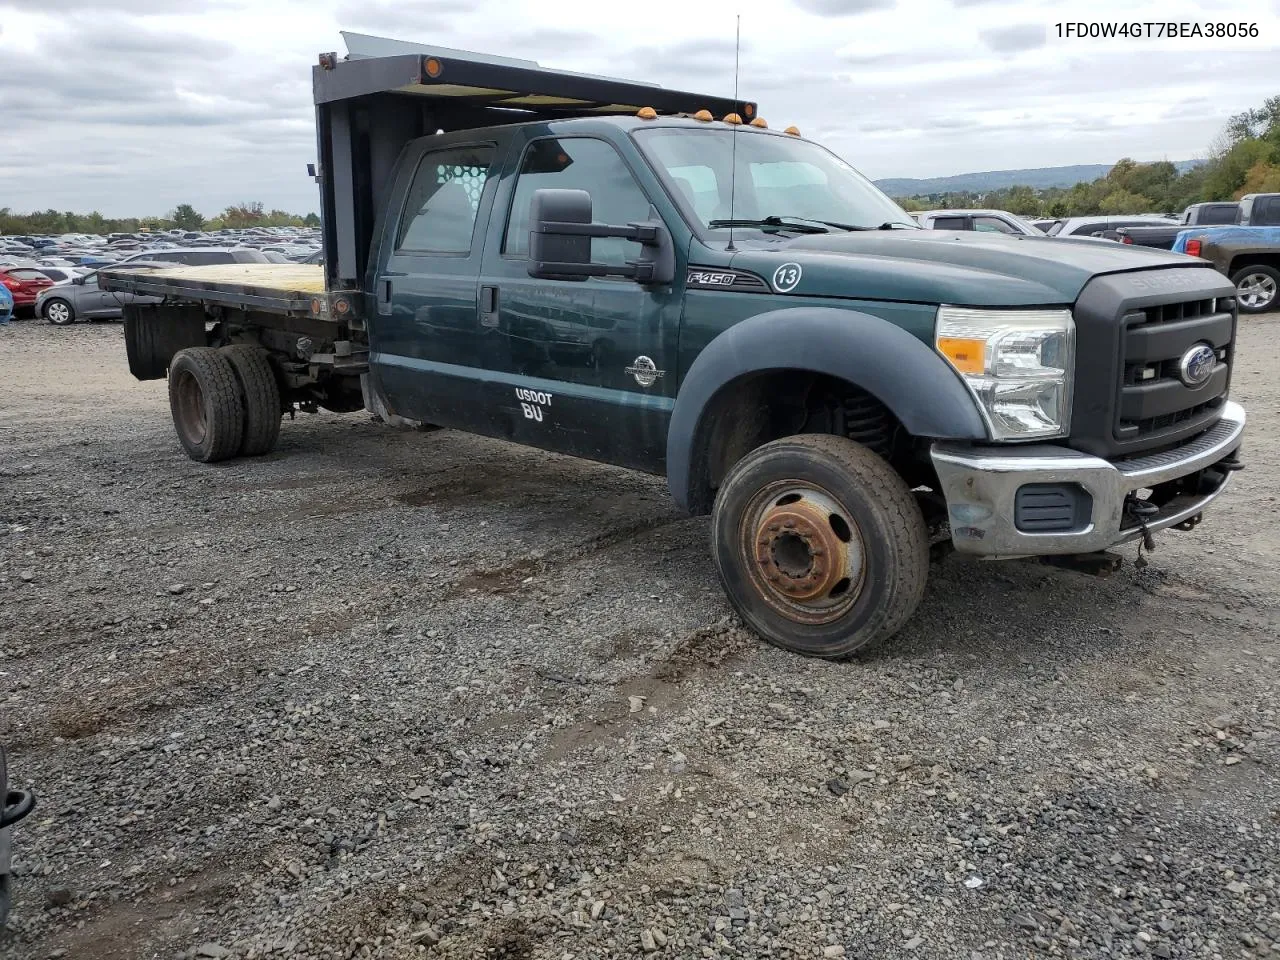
<point>1245,158</point>
<point>183,217</point>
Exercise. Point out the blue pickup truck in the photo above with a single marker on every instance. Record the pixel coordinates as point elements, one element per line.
<point>664,281</point>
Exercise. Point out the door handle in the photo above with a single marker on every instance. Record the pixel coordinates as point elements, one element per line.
<point>385,290</point>
<point>488,306</point>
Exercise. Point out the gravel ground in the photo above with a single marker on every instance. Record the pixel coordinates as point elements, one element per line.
<point>390,694</point>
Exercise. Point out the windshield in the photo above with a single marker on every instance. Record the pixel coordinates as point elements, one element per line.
<point>777,176</point>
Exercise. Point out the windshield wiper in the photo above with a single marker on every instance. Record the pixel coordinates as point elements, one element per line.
<point>805,225</point>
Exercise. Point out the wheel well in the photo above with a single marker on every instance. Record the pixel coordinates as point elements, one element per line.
<point>770,404</point>
<point>1255,259</point>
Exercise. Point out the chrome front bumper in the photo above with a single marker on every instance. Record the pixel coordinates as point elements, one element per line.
<point>981,483</point>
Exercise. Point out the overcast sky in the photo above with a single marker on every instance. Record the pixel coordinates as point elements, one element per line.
<point>133,106</point>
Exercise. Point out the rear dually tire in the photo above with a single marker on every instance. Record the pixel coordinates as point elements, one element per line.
<point>260,394</point>
<point>205,400</point>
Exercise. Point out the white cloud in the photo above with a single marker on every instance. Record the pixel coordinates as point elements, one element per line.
<point>134,106</point>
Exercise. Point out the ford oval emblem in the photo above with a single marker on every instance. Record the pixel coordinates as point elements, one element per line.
<point>1197,365</point>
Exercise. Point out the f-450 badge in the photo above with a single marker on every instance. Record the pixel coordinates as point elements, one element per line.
<point>711,278</point>
<point>645,371</point>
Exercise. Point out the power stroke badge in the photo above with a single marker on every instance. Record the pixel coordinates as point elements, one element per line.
<point>645,371</point>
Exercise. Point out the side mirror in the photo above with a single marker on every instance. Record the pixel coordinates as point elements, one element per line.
<point>78,281</point>
<point>561,229</point>
<point>556,253</point>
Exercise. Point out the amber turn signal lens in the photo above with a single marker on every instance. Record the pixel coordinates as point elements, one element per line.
<point>966,355</point>
<point>433,67</point>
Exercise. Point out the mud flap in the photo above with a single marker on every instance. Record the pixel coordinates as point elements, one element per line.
<point>154,332</point>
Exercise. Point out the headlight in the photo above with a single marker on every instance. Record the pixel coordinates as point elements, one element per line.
<point>1018,365</point>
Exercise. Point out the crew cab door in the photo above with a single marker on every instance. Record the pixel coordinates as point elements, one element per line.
<point>423,337</point>
<point>583,367</point>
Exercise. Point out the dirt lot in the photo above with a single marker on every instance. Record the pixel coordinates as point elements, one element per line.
<point>388,694</point>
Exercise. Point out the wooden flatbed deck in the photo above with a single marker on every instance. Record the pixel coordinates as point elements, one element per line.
<point>281,287</point>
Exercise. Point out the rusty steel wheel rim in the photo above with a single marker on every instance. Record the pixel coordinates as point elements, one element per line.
<point>191,416</point>
<point>803,551</point>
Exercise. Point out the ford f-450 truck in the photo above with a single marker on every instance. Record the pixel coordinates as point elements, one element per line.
<point>659,280</point>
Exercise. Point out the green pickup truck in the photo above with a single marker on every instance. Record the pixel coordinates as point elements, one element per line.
<point>659,280</point>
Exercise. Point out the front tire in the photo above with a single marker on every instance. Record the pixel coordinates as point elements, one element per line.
<point>820,545</point>
<point>204,397</point>
<point>1256,287</point>
<point>59,312</point>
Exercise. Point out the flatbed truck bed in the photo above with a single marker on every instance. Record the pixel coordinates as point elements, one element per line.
<point>273,287</point>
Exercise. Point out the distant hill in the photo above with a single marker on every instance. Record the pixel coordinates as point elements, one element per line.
<point>1040,177</point>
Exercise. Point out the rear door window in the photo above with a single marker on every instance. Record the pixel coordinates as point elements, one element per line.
<point>951,223</point>
<point>440,211</point>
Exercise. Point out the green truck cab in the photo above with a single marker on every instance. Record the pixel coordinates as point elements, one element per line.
<point>621,277</point>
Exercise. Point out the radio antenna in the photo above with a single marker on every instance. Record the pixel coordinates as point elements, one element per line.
<point>733,161</point>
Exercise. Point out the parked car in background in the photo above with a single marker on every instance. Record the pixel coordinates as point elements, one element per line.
<point>1095,225</point>
<point>82,299</point>
<point>200,256</point>
<point>6,306</point>
<point>1250,256</point>
<point>1210,214</point>
<point>25,284</point>
<point>1163,235</point>
<point>60,274</point>
<point>983,221</point>
<point>1260,210</point>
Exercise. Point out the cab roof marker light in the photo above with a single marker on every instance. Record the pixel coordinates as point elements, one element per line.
<point>759,122</point>
<point>793,130</point>
<point>733,118</point>
<point>647,113</point>
<point>703,115</point>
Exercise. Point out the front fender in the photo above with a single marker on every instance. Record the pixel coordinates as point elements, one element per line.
<point>921,389</point>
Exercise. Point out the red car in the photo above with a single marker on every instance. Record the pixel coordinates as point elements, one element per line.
<point>25,284</point>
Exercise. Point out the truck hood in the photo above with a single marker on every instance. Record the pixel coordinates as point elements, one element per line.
<point>935,266</point>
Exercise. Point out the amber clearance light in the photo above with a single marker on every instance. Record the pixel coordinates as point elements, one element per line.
<point>433,67</point>
<point>967,355</point>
